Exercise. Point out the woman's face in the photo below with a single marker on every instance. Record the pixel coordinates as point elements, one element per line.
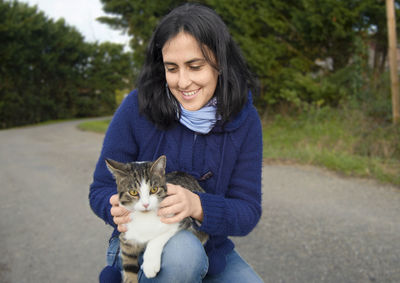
<point>191,79</point>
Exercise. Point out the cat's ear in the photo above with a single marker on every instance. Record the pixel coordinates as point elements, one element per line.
<point>159,165</point>
<point>116,168</point>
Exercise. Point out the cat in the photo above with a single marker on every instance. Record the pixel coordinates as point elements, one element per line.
<point>141,187</point>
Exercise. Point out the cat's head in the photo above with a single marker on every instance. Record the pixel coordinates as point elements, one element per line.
<point>141,185</point>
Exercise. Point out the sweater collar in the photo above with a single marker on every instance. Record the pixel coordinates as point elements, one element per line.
<point>238,120</point>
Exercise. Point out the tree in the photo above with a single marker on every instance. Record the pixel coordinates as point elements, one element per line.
<point>394,73</point>
<point>284,41</point>
<point>108,69</point>
<point>47,71</point>
<point>138,18</point>
<point>36,57</point>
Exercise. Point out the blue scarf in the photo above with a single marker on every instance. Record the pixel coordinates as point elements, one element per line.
<point>202,120</point>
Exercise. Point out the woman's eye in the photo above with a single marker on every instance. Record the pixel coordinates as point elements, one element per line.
<point>133,193</point>
<point>171,69</point>
<point>154,190</point>
<point>195,68</point>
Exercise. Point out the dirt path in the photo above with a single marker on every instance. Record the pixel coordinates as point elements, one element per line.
<point>316,226</point>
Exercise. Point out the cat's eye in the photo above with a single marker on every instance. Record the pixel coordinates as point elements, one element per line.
<point>133,193</point>
<point>153,190</point>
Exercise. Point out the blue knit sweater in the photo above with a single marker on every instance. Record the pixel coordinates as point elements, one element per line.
<point>226,162</point>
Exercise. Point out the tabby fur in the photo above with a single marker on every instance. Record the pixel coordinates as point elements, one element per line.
<point>141,187</point>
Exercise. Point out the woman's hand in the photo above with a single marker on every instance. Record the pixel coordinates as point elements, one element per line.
<point>180,203</point>
<point>120,214</point>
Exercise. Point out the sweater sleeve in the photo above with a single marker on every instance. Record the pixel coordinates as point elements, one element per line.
<point>119,144</point>
<point>239,210</point>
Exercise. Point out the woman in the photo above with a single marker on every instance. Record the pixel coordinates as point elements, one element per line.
<point>193,104</point>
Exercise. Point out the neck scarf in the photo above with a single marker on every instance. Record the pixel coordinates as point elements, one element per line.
<point>202,120</point>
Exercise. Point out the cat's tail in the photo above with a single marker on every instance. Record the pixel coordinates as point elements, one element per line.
<point>203,237</point>
<point>188,224</point>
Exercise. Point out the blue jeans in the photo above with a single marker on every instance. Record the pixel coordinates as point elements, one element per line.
<point>184,260</point>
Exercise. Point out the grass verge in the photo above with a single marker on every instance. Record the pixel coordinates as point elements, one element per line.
<point>345,141</point>
<point>99,126</point>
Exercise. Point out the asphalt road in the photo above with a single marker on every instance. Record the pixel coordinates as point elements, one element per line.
<point>316,226</point>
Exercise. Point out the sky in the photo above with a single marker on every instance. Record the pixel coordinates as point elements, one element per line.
<point>82,15</point>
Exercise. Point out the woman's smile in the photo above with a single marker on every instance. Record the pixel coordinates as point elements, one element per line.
<point>190,94</point>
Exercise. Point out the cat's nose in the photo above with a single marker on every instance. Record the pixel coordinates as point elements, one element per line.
<point>146,205</point>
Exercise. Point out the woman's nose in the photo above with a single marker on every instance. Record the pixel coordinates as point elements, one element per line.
<point>184,79</point>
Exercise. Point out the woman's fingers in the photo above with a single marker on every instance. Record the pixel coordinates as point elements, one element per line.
<point>179,203</point>
<point>114,200</point>
<point>121,216</point>
<point>170,210</point>
<point>121,220</point>
<point>122,228</point>
<point>124,219</point>
<point>173,219</point>
<point>170,201</point>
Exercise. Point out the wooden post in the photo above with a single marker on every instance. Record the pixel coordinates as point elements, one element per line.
<point>391,21</point>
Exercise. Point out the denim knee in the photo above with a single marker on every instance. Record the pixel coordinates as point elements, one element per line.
<point>236,270</point>
<point>183,260</point>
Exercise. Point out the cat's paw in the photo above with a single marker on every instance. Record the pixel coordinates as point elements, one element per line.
<point>151,268</point>
<point>151,262</point>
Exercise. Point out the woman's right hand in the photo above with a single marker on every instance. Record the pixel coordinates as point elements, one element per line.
<point>120,214</point>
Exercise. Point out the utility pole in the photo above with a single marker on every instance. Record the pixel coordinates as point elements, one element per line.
<point>391,22</point>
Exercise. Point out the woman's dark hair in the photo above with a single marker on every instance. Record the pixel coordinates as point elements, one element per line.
<point>234,81</point>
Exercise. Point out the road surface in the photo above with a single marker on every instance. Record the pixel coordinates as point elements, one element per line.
<point>316,226</point>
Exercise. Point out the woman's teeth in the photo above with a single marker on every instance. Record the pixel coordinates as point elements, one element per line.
<point>190,93</point>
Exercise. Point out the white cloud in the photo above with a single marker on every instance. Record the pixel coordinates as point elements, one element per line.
<point>82,15</point>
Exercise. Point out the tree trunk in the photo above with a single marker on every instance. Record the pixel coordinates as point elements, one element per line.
<point>393,59</point>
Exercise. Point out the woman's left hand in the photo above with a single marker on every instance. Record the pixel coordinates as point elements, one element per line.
<point>180,203</point>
